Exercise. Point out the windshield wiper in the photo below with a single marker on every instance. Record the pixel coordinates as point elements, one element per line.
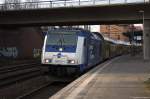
<point>59,42</point>
<point>63,40</point>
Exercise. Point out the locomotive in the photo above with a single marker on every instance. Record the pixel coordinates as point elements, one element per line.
<point>77,49</point>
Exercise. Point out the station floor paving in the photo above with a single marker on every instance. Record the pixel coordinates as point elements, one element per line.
<point>120,78</point>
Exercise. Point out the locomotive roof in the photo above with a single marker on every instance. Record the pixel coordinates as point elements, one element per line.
<point>67,29</point>
<point>79,30</point>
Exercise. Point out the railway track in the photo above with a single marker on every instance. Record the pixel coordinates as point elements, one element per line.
<point>20,77</point>
<point>15,73</point>
<point>44,91</point>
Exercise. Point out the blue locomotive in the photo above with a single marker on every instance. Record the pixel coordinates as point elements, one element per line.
<point>75,48</point>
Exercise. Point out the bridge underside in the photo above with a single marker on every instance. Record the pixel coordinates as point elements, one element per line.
<point>111,14</point>
<point>71,23</point>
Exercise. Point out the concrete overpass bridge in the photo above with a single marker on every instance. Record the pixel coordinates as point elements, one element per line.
<point>99,14</point>
<point>95,14</point>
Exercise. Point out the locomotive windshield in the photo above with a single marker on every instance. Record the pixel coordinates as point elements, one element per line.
<point>61,38</point>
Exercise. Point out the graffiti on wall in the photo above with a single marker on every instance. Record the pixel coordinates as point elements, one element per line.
<point>10,52</point>
<point>36,53</point>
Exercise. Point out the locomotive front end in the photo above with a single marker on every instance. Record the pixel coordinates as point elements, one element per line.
<point>60,48</point>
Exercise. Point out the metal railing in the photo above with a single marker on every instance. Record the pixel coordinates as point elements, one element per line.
<point>64,3</point>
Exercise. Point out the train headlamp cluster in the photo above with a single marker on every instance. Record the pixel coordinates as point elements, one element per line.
<point>69,61</point>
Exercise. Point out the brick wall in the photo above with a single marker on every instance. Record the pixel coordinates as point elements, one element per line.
<point>114,31</point>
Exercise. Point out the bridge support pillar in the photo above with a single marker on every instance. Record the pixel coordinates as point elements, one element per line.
<point>146,40</point>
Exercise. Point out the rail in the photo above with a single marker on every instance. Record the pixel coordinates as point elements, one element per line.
<point>64,3</point>
<point>11,74</point>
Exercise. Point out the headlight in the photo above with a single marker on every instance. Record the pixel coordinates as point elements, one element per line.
<point>61,49</point>
<point>71,61</point>
<point>47,60</point>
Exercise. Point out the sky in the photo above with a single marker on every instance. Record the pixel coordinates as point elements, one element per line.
<point>95,28</point>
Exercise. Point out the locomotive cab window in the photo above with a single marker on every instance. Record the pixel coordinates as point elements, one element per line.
<point>62,38</point>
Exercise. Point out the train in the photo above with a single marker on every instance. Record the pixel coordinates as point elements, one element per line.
<point>77,50</point>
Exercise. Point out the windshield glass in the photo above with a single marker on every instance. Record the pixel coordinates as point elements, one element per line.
<point>61,38</point>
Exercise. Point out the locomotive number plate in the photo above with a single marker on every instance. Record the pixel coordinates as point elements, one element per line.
<point>60,60</point>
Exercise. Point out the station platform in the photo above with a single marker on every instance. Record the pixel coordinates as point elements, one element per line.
<point>120,78</point>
